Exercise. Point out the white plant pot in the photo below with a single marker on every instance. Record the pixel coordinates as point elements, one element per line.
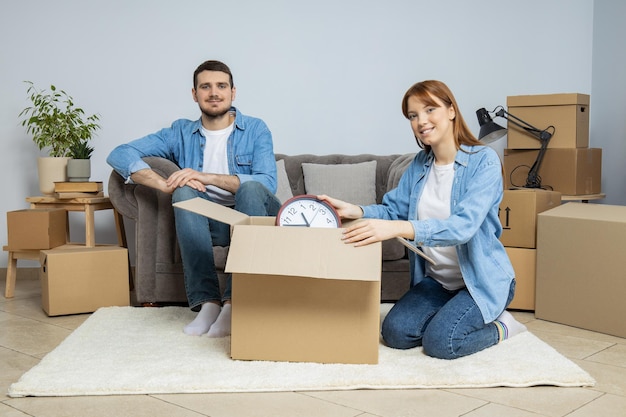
<point>78,170</point>
<point>51,169</point>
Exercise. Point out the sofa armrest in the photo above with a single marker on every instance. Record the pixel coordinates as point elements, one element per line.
<point>124,196</point>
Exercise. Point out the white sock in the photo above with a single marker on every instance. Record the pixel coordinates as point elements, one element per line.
<point>203,321</point>
<point>221,327</point>
<point>511,326</point>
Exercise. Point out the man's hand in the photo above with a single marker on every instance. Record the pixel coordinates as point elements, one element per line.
<point>189,177</point>
<point>149,178</point>
<point>199,180</point>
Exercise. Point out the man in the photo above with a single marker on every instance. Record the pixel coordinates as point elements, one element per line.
<point>225,157</point>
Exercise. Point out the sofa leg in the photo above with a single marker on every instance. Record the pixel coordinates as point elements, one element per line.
<point>151,304</point>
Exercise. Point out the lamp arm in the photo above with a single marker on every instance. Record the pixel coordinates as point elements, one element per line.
<point>540,134</point>
<point>533,180</point>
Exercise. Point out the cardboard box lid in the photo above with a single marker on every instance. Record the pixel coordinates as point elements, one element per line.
<point>548,100</point>
<point>590,211</point>
<point>213,210</point>
<point>306,252</point>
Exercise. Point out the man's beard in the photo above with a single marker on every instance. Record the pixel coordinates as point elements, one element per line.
<point>215,113</point>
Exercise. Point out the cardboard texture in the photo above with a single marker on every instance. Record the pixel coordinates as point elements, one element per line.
<point>299,294</point>
<point>568,113</point>
<point>518,215</point>
<point>580,267</point>
<point>36,228</point>
<point>568,171</point>
<point>76,279</point>
<point>524,263</point>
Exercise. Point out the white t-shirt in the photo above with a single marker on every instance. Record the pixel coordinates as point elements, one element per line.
<point>216,162</point>
<point>435,204</point>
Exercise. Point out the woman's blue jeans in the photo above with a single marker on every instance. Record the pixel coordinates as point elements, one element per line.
<point>197,235</point>
<point>447,324</point>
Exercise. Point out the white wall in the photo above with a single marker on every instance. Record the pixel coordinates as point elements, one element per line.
<point>327,76</point>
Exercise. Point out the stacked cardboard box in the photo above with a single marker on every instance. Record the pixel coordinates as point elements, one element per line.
<point>569,167</point>
<point>36,229</point>
<point>518,215</point>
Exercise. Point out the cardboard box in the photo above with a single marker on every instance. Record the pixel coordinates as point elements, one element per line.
<point>76,279</point>
<point>299,294</point>
<point>524,263</point>
<point>36,228</point>
<point>568,113</point>
<point>518,215</point>
<point>568,171</point>
<point>580,267</point>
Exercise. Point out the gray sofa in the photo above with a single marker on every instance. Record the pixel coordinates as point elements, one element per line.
<point>158,277</point>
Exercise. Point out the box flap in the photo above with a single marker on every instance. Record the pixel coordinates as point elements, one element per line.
<point>301,251</point>
<point>548,100</point>
<point>213,210</point>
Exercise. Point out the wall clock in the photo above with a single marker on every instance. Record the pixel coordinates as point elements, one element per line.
<point>307,211</point>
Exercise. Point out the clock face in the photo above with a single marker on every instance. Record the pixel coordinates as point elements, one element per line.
<point>307,211</point>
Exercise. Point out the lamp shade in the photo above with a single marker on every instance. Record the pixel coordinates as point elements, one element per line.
<point>490,131</point>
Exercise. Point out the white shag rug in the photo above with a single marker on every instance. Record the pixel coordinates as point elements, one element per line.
<point>126,350</point>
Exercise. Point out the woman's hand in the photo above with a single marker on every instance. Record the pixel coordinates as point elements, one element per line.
<point>345,210</point>
<point>367,231</point>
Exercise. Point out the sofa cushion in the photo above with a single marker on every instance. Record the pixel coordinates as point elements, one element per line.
<point>354,183</point>
<point>397,168</point>
<point>283,191</point>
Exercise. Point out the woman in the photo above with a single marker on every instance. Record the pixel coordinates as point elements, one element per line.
<point>446,203</point>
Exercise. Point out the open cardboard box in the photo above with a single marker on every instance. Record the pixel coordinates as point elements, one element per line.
<point>299,294</point>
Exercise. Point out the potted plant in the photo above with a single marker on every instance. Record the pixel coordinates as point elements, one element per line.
<point>56,124</point>
<point>79,164</point>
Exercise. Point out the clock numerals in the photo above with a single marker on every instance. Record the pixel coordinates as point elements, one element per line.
<point>306,211</point>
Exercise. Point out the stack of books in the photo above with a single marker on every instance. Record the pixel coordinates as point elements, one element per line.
<point>68,190</point>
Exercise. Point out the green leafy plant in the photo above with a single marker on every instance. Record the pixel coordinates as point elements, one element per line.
<point>81,150</point>
<point>55,122</point>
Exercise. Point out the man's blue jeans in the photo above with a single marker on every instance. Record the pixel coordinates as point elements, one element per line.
<point>448,324</point>
<point>198,234</point>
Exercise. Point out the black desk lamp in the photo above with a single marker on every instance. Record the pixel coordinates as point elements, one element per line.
<point>490,131</point>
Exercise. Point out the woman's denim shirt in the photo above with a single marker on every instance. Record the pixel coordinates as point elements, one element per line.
<point>250,150</point>
<point>473,226</point>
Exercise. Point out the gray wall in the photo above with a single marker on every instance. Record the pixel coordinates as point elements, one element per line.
<point>327,76</point>
<point>608,99</point>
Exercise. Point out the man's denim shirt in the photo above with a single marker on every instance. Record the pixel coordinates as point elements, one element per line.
<point>473,226</point>
<point>250,150</point>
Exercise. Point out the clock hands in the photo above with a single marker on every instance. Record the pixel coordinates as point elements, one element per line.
<point>308,207</point>
<point>314,216</point>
